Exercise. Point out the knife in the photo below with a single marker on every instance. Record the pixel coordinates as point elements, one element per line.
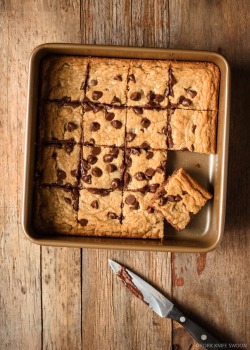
<point>162,306</point>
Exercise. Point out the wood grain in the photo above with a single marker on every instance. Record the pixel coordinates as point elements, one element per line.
<point>59,298</point>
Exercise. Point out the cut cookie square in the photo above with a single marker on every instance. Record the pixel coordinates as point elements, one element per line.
<point>146,125</point>
<point>99,213</point>
<point>102,167</point>
<point>63,77</point>
<point>193,130</point>
<point>178,197</point>
<point>145,169</point>
<point>194,85</point>
<point>107,81</point>
<point>148,83</point>
<point>104,126</point>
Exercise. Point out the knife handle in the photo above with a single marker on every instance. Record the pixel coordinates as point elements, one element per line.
<point>200,334</point>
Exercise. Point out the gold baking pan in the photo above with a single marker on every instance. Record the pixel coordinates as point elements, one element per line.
<point>205,229</point>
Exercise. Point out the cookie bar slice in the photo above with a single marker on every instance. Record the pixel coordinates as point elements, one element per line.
<point>193,130</point>
<point>148,83</point>
<point>106,126</point>
<point>178,197</point>
<point>146,125</point>
<point>60,122</point>
<point>145,169</point>
<point>139,219</point>
<point>58,164</point>
<point>63,76</point>
<point>99,212</point>
<point>55,209</point>
<point>107,81</point>
<point>194,85</point>
<point>101,167</point>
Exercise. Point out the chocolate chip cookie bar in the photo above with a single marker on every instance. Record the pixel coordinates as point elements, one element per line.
<point>148,83</point>
<point>139,219</point>
<point>194,131</point>
<point>60,123</point>
<point>59,164</point>
<point>145,169</point>
<point>106,126</point>
<point>107,81</point>
<point>178,197</point>
<point>55,209</point>
<point>63,76</point>
<point>146,125</point>
<point>100,213</point>
<point>101,167</point>
<point>194,85</point>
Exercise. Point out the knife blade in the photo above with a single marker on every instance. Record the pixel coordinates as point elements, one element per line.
<point>162,306</point>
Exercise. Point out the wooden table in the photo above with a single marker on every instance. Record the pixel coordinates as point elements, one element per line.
<point>58,298</point>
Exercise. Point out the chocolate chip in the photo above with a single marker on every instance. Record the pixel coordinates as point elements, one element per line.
<point>83,222</point>
<point>74,173</point>
<point>75,205</point>
<point>115,100</point>
<point>114,151</point>
<point>109,116</point>
<point>97,108</point>
<point>145,122</point>
<point>87,179</point>
<point>135,96</point>
<point>149,154</point>
<point>95,126</point>
<point>180,99</point>
<point>116,183</point>
<point>96,151</point>
<point>170,198</point>
<point>153,188</point>
<point>112,216</point>
<point>162,201</point>
<point>69,147</point>
<point>85,99</point>
<point>61,174</point>
<point>96,95</point>
<point>186,102</point>
<point>100,192</point>
<point>68,200</point>
<point>87,108</point>
<point>75,193</point>
<point>160,170</point>
<point>92,159</point>
<point>118,77</point>
<point>143,189</point>
<point>95,204</point>
<point>128,161</point>
<point>150,210</point>
<point>138,110</point>
<point>135,151</point>
<point>178,198</point>
<point>84,165</point>
<point>192,93</point>
<point>132,78</point>
<point>89,143</point>
<point>193,128</point>
<point>130,199</point>
<point>135,206</point>
<point>71,126</point>
<point>145,145</point>
<point>108,158</point>
<point>184,192</point>
<point>151,96</point>
<point>117,124</point>
<point>140,176</point>
<point>127,179</point>
<point>97,172</point>
<point>159,98</point>
<point>150,172</point>
<point>111,168</point>
<point>93,82</point>
<point>130,136</point>
<point>59,182</point>
<point>165,130</point>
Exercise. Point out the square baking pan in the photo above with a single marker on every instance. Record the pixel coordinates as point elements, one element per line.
<point>205,230</point>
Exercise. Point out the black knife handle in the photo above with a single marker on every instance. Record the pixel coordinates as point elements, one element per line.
<point>200,334</point>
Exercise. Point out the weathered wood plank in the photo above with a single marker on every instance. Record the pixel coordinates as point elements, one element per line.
<point>215,285</point>
<point>113,318</point>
